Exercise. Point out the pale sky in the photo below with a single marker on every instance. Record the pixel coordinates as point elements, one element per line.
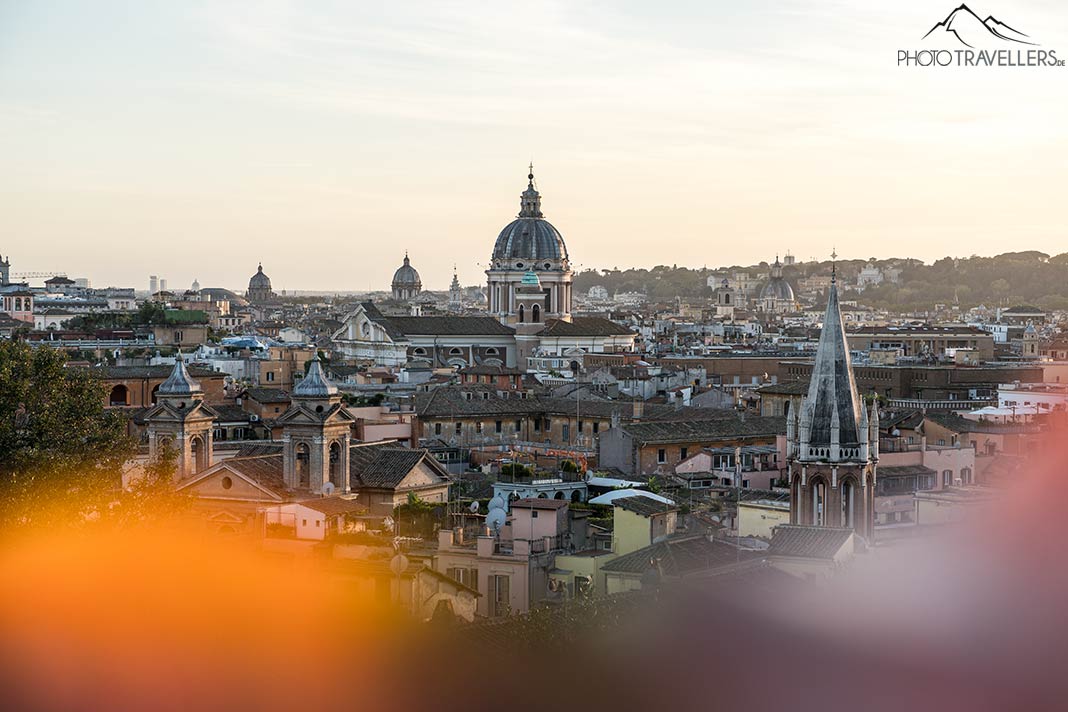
<point>193,139</point>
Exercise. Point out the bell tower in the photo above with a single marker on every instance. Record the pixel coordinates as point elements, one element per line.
<point>180,422</point>
<point>833,442</point>
<point>316,434</point>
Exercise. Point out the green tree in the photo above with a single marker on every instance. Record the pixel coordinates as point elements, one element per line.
<point>58,443</point>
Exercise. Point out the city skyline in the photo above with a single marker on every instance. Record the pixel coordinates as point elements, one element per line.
<point>324,143</point>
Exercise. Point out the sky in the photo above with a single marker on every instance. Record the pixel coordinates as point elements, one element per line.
<point>195,139</point>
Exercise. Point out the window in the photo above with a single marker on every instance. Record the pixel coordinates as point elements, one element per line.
<point>661,455</point>
<point>459,428</point>
<point>947,478</point>
<point>437,428</point>
<point>596,427</point>
<point>227,483</point>
<point>518,425</point>
<point>533,514</point>
<point>318,522</point>
<point>682,453</point>
<point>565,432</point>
<point>270,376</point>
<point>478,427</point>
<point>498,427</point>
<point>304,522</point>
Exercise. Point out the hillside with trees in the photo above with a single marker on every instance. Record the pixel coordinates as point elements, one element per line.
<point>1011,278</point>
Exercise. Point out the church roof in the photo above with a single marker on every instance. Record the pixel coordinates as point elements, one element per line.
<point>584,326</point>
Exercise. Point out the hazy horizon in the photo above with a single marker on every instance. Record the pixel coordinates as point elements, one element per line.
<point>195,140</point>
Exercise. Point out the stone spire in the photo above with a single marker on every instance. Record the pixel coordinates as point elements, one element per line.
<point>833,425</point>
<point>530,200</point>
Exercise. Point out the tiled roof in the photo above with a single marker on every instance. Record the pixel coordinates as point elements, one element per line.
<point>724,426</point>
<point>538,503</point>
<point>680,557</point>
<point>904,471</point>
<point>162,371</point>
<point>958,424</point>
<point>333,505</point>
<point>256,449</point>
<point>645,506</point>
<point>584,326</point>
<point>808,542</point>
<point>400,326</point>
<point>786,388</point>
<point>383,465</point>
<point>267,395</point>
<point>265,470</point>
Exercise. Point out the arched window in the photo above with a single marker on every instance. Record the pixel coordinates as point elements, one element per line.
<point>335,463</point>
<point>966,475</point>
<point>155,389</point>
<point>522,314</point>
<point>535,313</point>
<point>197,452</point>
<point>819,503</point>
<point>302,465</point>
<point>120,395</point>
<point>848,503</point>
<point>456,352</point>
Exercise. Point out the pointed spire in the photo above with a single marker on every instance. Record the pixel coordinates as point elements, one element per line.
<point>834,266</point>
<point>180,383</point>
<point>832,416</point>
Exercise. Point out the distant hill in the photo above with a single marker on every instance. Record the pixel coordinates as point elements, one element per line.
<point>1011,278</point>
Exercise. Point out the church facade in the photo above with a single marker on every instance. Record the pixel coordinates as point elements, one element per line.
<point>529,284</point>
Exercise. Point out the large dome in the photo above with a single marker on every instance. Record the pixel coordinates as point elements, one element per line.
<point>777,288</point>
<point>530,237</point>
<point>259,280</point>
<point>406,275</point>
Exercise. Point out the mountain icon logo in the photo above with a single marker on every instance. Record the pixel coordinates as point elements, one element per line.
<point>971,31</point>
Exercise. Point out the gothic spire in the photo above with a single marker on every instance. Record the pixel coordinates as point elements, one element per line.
<point>832,414</point>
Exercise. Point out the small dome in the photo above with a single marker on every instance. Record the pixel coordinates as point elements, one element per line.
<point>406,275</point>
<point>315,383</point>
<point>530,279</point>
<point>179,383</point>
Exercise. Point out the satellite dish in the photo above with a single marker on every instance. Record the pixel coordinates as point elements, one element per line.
<point>496,503</point>
<point>328,488</point>
<point>474,507</point>
<point>495,519</point>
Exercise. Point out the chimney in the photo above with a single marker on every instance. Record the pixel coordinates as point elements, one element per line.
<point>639,410</point>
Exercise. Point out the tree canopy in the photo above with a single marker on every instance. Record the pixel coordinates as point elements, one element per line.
<point>58,442</point>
